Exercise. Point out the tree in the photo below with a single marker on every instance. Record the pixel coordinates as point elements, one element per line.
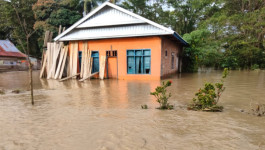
<point>19,15</point>
<point>50,14</point>
<point>11,28</point>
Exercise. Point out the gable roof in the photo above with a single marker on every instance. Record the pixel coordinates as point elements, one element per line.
<point>112,21</point>
<point>8,49</point>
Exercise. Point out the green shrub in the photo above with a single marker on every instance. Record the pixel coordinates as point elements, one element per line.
<point>208,97</point>
<point>162,96</point>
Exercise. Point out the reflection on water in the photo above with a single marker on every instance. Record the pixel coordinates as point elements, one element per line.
<point>106,114</point>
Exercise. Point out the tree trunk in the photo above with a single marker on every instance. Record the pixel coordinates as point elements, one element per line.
<point>30,74</point>
<point>31,83</point>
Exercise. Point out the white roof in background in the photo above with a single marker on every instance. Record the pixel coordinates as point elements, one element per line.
<point>111,21</point>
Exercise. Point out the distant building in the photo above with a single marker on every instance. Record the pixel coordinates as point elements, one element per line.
<point>10,56</point>
<point>136,47</point>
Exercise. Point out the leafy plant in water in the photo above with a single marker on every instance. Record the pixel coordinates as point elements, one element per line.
<point>208,97</point>
<point>162,96</point>
<point>144,106</point>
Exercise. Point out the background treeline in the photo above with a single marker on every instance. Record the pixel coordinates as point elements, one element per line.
<point>221,33</point>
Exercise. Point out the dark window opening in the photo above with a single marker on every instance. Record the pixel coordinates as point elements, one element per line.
<point>95,63</point>
<point>166,53</point>
<point>80,58</point>
<point>172,60</point>
<point>111,53</point>
<point>138,61</point>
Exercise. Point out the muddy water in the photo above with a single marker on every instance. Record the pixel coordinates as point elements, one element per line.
<point>106,115</point>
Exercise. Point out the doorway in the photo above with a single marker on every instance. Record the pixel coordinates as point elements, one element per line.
<point>112,64</point>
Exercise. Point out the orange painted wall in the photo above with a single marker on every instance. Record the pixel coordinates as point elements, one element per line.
<point>122,45</point>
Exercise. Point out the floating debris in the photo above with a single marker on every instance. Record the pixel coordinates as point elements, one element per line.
<point>17,91</point>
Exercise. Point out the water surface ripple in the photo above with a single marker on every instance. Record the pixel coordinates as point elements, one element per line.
<point>106,115</point>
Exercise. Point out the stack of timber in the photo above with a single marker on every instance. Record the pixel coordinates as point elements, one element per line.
<point>54,61</point>
<point>60,60</point>
<point>86,64</point>
<point>73,60</point>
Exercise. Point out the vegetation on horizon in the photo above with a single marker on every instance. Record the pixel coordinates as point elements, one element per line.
<point>221,34</point>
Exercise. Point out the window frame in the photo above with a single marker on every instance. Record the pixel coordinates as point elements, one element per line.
<point>142,58</point>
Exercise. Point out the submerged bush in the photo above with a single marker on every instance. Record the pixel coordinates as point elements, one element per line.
<point>16,91</point>
<point>258,110</point>
<point>208,97</point>
<point>144,106</point>
<point>2,91</point>
<point>162,96</point>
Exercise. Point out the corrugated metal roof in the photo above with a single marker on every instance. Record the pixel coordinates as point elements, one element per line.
<point>8,49</point>
<point>111,21</point>
<point>113,32</point>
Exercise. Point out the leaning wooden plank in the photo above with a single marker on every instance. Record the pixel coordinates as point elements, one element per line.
<point>64,60</point>
<point>83,59</point>
<point>56,54</point>
<point>85,63</point>
<point>102,67</point>
<point>59,64</point>
<point>89,76</point>
<point>48,57</point>
<point>69,77</point>
<point>75,55</point>
<point>46,38</point>
<point>43,65</point>
<point>90,63</point>
<point>71,59</point>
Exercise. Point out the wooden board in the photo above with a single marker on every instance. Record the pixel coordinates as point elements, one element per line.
<point>71,59</point>
<point>55,52</point>
<point>64,61</point>
<point>69,77</point>
<point>88,77</point>
<point>59,64</point>
<point>75,59</point>
<point>43,65</point>
<point>102,67</point>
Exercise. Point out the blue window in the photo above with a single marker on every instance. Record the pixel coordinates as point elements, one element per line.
<point>139,61</point>
<point>95,64</point>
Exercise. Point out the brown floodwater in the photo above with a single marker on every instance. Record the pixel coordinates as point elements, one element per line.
<point>107,115</point>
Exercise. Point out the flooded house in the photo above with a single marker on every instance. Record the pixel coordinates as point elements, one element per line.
<point>10,57</point>
<point>135,47</point>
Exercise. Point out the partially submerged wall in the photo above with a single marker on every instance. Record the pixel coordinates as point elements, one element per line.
<point>124,44</point>
<point>170,57</point>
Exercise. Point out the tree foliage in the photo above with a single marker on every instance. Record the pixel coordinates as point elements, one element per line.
<point>10,26</point>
